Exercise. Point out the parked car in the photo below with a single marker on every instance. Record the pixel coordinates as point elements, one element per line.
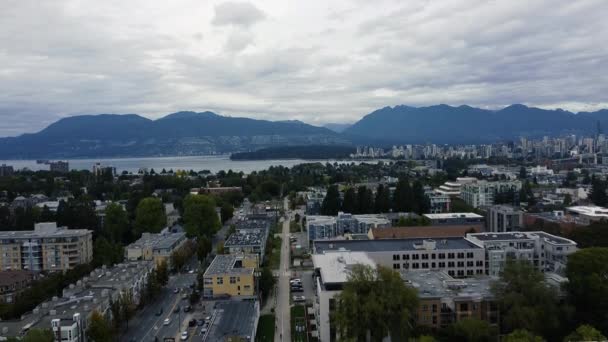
<point>192,323</point>
<point>184,336</point>
<point>167,321</point>
<point>176,290</point>
<point>299,298</point>
<point>159,312</point>
<point>187,308</point>
<point>176,310</point>
<point>297,289</point>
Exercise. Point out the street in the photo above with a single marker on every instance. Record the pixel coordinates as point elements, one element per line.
<point>283,312</point>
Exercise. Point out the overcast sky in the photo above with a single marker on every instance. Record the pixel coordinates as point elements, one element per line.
<point>316,61</point>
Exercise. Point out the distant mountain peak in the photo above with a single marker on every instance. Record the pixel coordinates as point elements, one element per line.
<point>188,114</point>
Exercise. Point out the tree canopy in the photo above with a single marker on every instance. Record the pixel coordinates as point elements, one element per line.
<point>200,217</point>
<point>150,216</point>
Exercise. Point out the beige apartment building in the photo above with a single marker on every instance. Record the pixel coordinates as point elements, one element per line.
<point>46,248</point>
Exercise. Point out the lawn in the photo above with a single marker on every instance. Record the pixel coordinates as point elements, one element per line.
<point>265,332</point>
<point>298,323</point>
<point>275,256</point>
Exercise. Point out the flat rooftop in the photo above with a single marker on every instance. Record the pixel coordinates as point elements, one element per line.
<point>161,240</point>
<point>228,264</point>
<point>253,224</point>
<point>589,210</point>
<point>438,284</point>
<point>515,236</point>
<point>335,266</point>
<point>246,237</point>
<point>44,230</point>
<point>444,216</point>
<point>387,245</point>
<point>233,319</point>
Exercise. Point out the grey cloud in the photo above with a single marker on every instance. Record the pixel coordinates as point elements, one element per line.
<point>237,13</point>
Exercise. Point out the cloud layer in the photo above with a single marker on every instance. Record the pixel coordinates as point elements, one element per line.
<point>316,61</point>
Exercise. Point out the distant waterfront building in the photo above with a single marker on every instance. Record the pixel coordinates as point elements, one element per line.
<point>59,166</point>
<point>588,212</point>
<point>504,218</point>
<point>99,170</point>
<point>482,193</point>
<point>46,248</point>
<point>6,170</point>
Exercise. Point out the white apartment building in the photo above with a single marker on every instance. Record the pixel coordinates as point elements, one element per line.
<point>457,256</point>
<point>326,227</point>
<point>549,253</point>
<point>482,193</point>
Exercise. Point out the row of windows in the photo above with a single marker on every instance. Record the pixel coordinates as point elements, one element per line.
<point>441,264</point>
<point>433,256</point>
<point>220,280</point>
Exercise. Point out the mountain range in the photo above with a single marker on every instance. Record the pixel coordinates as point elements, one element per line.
<point>182,133</point>
<point>191,133</point>
<point>464,124</point>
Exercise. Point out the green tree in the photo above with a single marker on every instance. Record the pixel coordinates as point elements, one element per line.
<point>421,201</point>
<point>403,197</point>
<point>99,330</point>
<point>331,202</point>
<point>226,212</point>
<point>383,199</point>
<point>35,335</point>
<point>150,216</point>
<point>162,273</point>
<point>267,281</point>
<point>525,301</point>
<point>471,330</point>
<point>200,217</point>
<point>365,200</point>
<point>203,248</point>
<point>587,286</point>
<point>523,174</point>
<point>219,248</point>
<point>598,192</point>
<point>567,200</point>
<point>521,335</point>
<point>349,204</point>
<point>585,333</point>
<point>375,302</point>
<point>116,223</point>
<point>106,252</point>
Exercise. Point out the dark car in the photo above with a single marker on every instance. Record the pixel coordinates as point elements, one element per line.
<point>192,323</point>
<point>187,308</point>
<point>159,312</point>
<point>176,310</point>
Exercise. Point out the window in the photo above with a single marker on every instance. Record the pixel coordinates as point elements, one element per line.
<point>425,257</point>
<point>460,255</point>
<point>396,266</point>
<point>220,280</point>
<point>441,264</point>
<point>395,257</point>
<point>450,255</point>
<point>479,272</point>
<point>425,307</point>
<point>441,255</point>
<point>232,280</point>
<point>415,265</point>
<point>433,265</point>
<point>450,264</point>
<point>415,257</point>
<point>460,273</point>
<point>406,257</point>
<point>470,255</point>
<point>434,307</point>
<point>451,273</point>
<point>464,307</point>
<point>469,272</point>
<point>434,319</point>
<point>425,265</point>
<point>433,256</point>
<point>469,263</point>
<point>479,263</point>
<point>406,266</point>
<point>461,264</point>
<point>208,281</point>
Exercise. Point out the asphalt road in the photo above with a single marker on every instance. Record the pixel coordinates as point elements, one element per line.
<point>283,298</point>
<point>146,325</point>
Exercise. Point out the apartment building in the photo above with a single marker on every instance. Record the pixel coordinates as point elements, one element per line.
<point>59,166</point>
<point>456,219</point>
<point>588,213</point>
<point>157,247</point>
<point>482,193</point>
<point>46,248</point>
<point>247,241</point>
<point>457,256</point>
<point>549,253</point>
<point>453,189</point>
<point>231,275</point>
<point>439,202</point>
<point>444,300</point>
<point>12,283</point>
<point>6,170</point>
<point>326,227</point>
<point>504,218</point>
